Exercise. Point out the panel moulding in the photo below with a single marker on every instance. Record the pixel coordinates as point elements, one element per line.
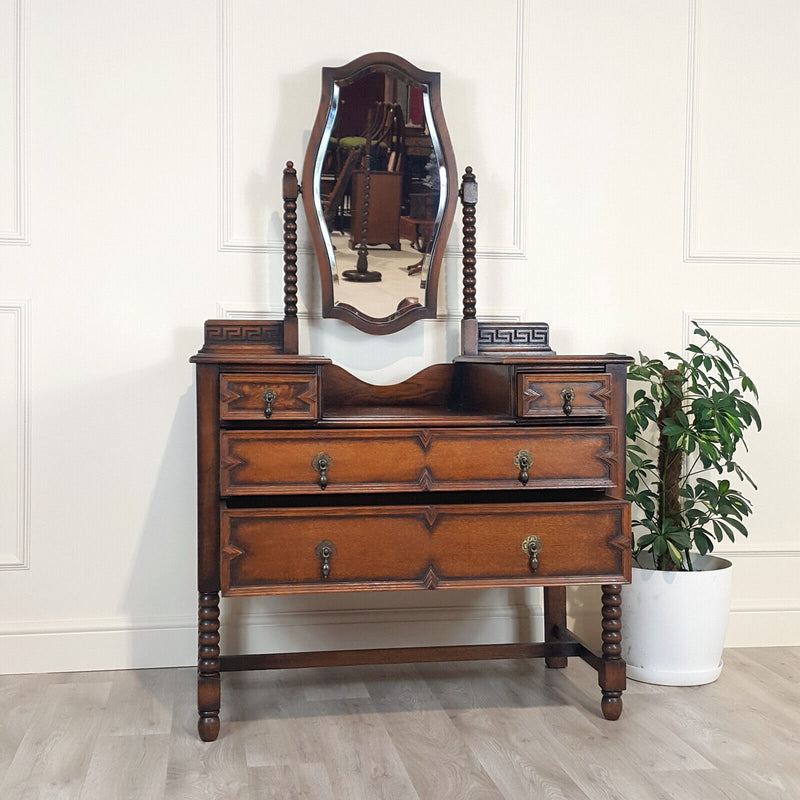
<point>690,251</point>
<point>225,124</point>
<point>20,456</point>
<point>16,233</point>
<point>240,311</point>
<point>719,319</point>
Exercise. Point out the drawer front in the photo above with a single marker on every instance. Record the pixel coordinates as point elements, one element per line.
<point>411,547</point>
<point>565,459</point>
<point>577,542</point>
<point>282,549</point>
<point>564,396</point>
<point>273,396</point>
<point>288,462</point>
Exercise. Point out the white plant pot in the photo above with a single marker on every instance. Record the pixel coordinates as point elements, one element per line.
<point>674,623</point>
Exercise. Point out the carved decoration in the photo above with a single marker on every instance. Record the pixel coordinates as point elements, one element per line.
<point>431,518</point>
<point>425,479</point>
<point>226,333</point>
<point>424,439</point>
<point>431,579</point>
<point>494,337</point>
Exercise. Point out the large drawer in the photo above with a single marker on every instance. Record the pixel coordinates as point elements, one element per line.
<point>263,462</point>
<point>287,550</point>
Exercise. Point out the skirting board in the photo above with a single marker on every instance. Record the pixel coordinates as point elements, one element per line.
<point>122,644</point>
<point>67,646</point>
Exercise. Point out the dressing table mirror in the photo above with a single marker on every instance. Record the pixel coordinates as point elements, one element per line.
<point>503,468</point>
<point>380,192</point>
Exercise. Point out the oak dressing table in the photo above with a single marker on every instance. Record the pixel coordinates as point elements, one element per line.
<point>503,468</point>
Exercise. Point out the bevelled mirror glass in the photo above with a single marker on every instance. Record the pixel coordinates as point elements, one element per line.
<point>379,189</point>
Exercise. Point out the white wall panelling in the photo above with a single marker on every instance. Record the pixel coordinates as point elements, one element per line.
<point>766,599</point>
<point>13,122</point>
<point>266,108</point>
<point>743,125</point>
<point>156,135</point>
<point>14,435</point>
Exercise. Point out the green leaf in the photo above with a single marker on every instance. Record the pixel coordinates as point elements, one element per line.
<point>675,554</point>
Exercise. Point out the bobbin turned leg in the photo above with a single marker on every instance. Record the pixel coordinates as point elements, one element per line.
<point>611,675</point>
<point>208,683</point>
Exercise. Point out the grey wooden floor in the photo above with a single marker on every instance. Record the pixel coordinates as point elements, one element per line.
<point>465,731</point>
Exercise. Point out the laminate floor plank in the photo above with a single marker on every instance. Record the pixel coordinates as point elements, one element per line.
<point>141,702</point>
<point>437,759</point>
<point>652,746</point>
<point>312,720</point>
<point>729,726</point>
<point>53,757</point>
<point>495,730</point>
<point>20,697</point>
<point>513,756</point>
<point>361,760</point>
<point>284,782</point>
<point>127,768</point>
<point>203,770</point>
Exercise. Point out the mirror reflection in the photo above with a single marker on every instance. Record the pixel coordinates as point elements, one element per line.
<point>380,191</point>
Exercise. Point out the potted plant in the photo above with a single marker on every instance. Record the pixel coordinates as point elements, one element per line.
<point>685,426</point>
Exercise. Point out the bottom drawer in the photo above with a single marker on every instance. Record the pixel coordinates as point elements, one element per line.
<point>287,550</point>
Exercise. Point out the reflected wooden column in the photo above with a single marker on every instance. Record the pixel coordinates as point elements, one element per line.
<point>362,274</point>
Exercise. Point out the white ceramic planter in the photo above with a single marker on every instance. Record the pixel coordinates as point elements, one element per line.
<point>674,623</point>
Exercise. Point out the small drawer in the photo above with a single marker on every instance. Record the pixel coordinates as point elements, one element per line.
<point>564,396</point>
<point>268,396</point>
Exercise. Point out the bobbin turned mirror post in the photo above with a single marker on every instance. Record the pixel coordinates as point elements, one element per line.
<point>379,190</point>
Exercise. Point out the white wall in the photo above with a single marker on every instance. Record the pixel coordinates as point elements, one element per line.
<point>638,167</point>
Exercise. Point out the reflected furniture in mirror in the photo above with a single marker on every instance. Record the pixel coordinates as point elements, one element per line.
<point>503,468</point>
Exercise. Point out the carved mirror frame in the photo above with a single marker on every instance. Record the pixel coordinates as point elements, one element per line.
<point>332,79</point>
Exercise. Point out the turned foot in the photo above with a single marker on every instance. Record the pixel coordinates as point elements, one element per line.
<point>611,705</point>
<point>208,726</point>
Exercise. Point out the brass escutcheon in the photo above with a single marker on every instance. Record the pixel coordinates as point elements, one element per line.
<point>532,546</point>
<point>522,461</point>
<point>270,396</point>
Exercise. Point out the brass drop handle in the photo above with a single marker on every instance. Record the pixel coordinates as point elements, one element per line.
<point>321,463</point>
<point>270,396</point>
<point>325,551</point>
<point>567,395</point>
<point>522,461</point>
<point>532,546</point>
